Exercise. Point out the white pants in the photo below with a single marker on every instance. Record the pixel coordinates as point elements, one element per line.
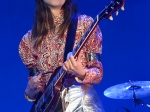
<point>83,98</point>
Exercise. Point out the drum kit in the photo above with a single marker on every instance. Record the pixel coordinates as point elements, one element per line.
<point>130,90</point>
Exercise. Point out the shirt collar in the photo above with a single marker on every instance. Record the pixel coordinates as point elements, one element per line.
<point>58,19</point>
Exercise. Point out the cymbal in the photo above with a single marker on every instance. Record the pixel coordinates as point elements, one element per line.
<point>125,90</point>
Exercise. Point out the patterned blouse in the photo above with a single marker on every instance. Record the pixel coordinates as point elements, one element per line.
<point>50,54</point>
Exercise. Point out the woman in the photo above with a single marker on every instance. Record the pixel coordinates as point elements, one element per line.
<point>43,48</point>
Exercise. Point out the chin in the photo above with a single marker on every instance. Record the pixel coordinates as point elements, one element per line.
<point>55,3</point>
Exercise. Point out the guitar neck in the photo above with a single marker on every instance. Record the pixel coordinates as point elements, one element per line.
<point>105,13</point>
<point>84,39</point>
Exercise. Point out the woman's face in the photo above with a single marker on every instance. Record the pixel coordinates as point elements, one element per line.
<point>54,3</point>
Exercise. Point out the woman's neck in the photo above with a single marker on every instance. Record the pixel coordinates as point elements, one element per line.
<point>55,11</point>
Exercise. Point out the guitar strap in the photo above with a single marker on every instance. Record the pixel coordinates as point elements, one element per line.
<point>70,36</point>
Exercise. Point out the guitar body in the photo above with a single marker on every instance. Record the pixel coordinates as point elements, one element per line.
<point>49,107</point>
<point>48,102</point>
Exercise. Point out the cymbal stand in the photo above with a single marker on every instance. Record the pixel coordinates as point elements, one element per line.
<point>137,101</point>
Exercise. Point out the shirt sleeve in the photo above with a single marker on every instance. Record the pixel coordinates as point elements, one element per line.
<point>25,51</point>
<point>94,71</point>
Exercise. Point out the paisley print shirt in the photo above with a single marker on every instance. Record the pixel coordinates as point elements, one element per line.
<point>50,54</point>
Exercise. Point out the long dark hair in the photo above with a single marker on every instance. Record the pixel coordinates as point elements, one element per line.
<point>43,16</point>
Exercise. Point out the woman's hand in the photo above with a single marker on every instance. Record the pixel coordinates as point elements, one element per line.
<point>34,86</point>
<point>74,66</point>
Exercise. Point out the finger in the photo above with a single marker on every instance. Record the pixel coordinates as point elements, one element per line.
<point>66,64</point>
<point>71,67</point>
<point>64,67</point>
<point>38,88</point>
<point>69,54</point>
<point>43,79</point>
<point>34,87</point>
<point>73,61</point>
<point>78,58</point>
<point>37,84</point>
<point>32,80</point>
<point>42,84</point>
<point>37,78</point>
<point>32,83</point>
<point>70,58</point>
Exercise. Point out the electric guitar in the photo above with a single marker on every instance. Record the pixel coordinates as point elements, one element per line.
<point>49,99</point>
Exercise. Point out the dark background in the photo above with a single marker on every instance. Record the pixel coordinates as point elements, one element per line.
<point>126,50</point>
